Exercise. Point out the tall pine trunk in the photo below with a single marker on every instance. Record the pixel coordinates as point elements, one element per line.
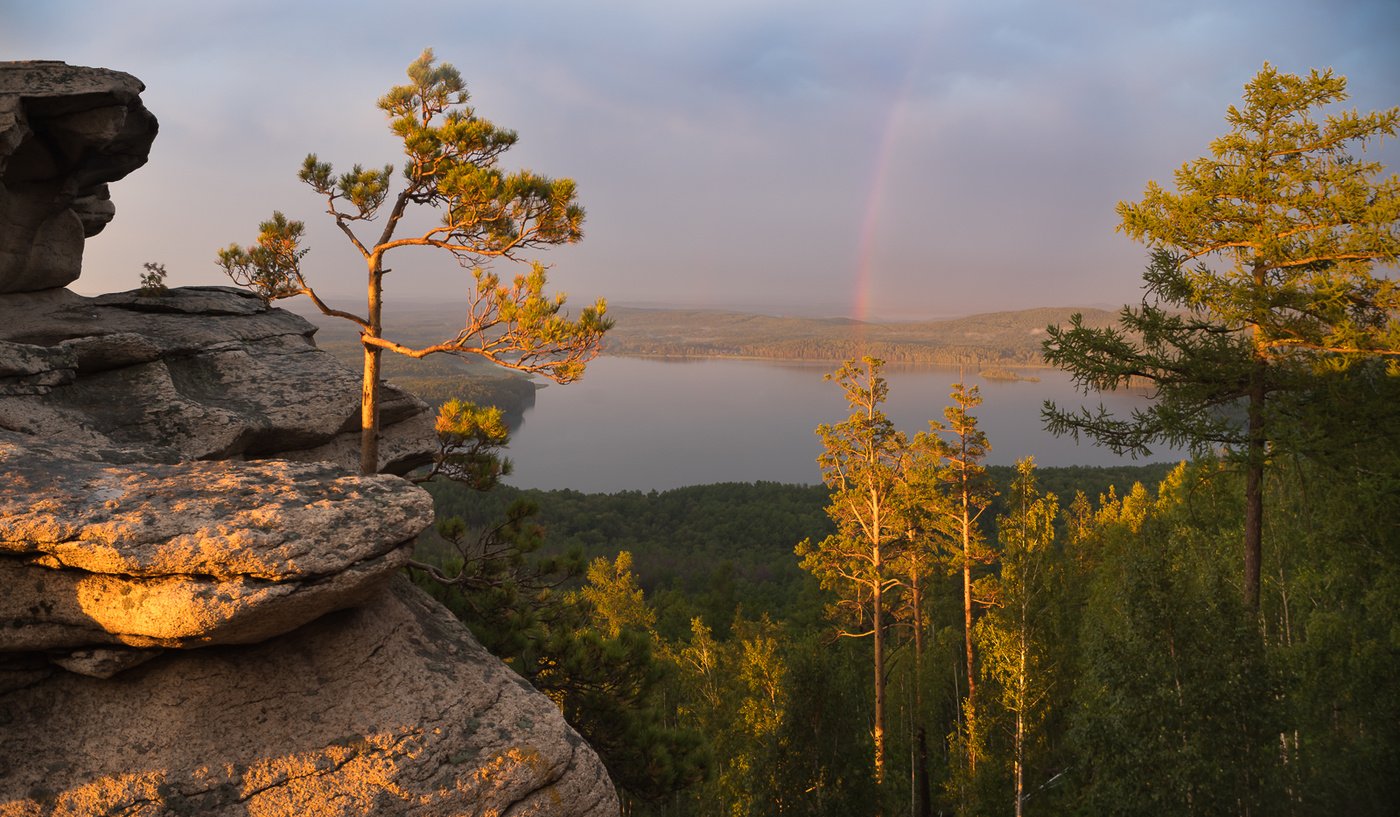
<point>970,711</point>
<point>1254,503</point>
<point>369,388</point>
<point>879,731</point>
<point>369,413</point>
<point>1254,474</point>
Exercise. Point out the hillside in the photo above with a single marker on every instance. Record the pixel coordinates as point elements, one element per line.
<point>1006,338</point>
<point>988,341</point>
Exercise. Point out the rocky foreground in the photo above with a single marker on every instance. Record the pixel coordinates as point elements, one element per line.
<point>204,609</point>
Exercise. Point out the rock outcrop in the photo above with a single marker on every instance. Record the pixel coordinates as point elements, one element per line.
<point>192,373</point>
<point>203,608</point>
<point>390,708</point>
<point>65,133</point>
<point>189,554</point>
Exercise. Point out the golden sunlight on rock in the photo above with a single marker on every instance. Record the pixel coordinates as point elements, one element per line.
<point>363,773</point>
<point>388,709</point>
<point>204,610</point>
<point>131,793</point>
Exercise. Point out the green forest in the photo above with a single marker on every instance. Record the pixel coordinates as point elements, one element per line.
<point>923,634</point>
<point>1117,668</point>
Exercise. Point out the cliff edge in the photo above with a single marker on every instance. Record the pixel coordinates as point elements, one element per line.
<point>205,611</point>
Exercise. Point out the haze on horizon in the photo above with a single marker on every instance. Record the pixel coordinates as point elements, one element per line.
<point>908,160</point>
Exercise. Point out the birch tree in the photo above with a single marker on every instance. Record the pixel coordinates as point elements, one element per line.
<point>1013,655</point>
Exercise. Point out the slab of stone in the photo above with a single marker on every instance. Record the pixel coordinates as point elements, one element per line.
<point>195,373</point>
<point>389,709</point>
<point>188,554</point>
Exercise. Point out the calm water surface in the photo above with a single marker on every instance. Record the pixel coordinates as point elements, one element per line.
<point>636,424</point>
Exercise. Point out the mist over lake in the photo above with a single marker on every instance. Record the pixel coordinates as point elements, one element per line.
<point>643,424</point>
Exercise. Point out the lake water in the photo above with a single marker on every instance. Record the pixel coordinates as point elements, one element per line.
<point>639,424</point>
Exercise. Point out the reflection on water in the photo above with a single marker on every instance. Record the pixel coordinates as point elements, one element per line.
<point>639,424</point>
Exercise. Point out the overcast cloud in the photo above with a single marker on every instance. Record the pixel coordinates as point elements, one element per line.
<point>954,156</point>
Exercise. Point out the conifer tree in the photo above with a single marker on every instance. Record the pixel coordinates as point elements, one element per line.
<point>926,533</point>
<point>862,465</point>
<point>967,493</point>
<point>1261,273</point>
<point>1010,639</point>
<point>485,213</point>
<point>615,598</point>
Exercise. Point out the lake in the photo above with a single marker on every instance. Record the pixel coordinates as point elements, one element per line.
<point>639,424</point>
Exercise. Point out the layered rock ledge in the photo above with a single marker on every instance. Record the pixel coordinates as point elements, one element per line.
<point>388,709</point>
<point>193,373</point>
<point>203,612</point>
<point>190,554</point>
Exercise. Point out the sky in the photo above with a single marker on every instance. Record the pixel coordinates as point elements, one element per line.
<point>889,159</point>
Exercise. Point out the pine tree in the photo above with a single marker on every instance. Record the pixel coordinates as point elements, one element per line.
<point>926,533</point>
<point>1261,273</point>
<point>451,166</point>
<point>1013,654</point>
<point>615,598</point>
<point>862,465</point>
<point>967,493</point>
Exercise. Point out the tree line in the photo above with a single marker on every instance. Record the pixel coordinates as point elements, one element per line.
<point>1145,652</point>
<point>1115,664</point>
<point>835,349</point>
<point>1223,643</point>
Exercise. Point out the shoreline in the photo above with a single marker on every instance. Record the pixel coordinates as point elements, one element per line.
<point>820,360</point>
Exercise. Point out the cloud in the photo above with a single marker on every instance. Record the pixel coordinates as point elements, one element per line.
<point>967,154</point>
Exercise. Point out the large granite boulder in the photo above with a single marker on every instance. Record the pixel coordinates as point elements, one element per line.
<point>65,132</point>
<point>189,554</point>
<point>194,373</point>
<point>203,612</point>
<point>388,709</point>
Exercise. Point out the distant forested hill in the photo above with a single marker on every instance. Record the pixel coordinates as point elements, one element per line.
<point>994,338</point>
<point>987,341</point>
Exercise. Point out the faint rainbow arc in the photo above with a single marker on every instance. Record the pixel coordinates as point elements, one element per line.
<point>879,182</point>
<point>870,219</point>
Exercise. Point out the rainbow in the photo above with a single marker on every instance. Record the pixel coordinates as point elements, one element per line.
<point>880,178</point>
<point>870,222</point>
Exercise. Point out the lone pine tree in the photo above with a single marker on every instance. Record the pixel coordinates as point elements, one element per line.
<point>486,213</point>
<point>1261,274</point>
